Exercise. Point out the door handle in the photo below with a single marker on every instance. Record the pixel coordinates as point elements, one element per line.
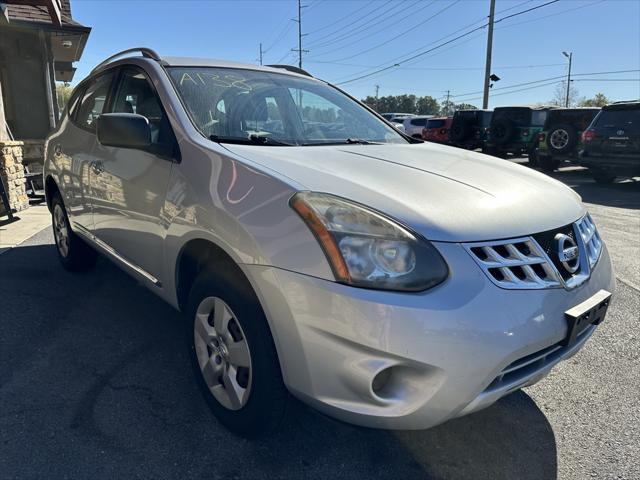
<point>97,167</point>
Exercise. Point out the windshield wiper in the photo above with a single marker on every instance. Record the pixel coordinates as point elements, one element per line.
<point>251,140</point>
<point>268,140</point>
<point>360,141</point>
<point>349,141</point>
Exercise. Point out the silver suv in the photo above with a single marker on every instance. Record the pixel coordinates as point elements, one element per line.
<point>314,249</point>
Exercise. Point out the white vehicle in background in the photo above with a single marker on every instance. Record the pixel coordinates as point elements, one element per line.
<point>397,119</point>
<point>391,115</point>
<point>413,126</point>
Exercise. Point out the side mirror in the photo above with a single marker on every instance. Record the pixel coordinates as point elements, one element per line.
<point>125,130</point>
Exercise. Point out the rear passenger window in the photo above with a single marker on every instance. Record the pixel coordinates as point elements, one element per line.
<point>93,102</point>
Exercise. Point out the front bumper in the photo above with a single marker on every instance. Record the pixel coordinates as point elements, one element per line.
<point>446,348</point>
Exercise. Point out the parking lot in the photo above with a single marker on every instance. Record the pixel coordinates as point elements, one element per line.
<point>95,383</point>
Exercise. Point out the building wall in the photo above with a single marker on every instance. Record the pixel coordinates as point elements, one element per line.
<point>24,85</point>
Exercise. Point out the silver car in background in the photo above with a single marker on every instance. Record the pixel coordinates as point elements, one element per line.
<point>314,250</point>
<point>413,125</point>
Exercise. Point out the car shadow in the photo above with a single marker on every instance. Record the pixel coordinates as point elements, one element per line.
<point>94,376</point>
<point>621,194</point>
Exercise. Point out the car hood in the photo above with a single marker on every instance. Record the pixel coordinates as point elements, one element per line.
<point>443,193</point>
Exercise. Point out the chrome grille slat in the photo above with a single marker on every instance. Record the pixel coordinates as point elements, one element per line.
<point>524,263</point>
<point>492,260</point>
<point>590,238</point>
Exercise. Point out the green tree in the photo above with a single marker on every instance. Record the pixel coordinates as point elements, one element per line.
<point>466,106</point>
<point>599,100</point>
<point>427,106</point>
<point>447,108</point>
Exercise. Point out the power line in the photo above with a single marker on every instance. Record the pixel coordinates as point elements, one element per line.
<point>362,19</point>
<point>405,32</point>
<point>506,67</point>
<point>368,27</point>
<point>346,17</point>
<point>546,80</point>
<point>446,43</point>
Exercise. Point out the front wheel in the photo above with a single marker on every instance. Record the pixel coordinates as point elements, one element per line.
<point>533,157</point>
<point>233,355</point>
<point>74,254</point>
<point>603,178</point>
<point>548,164</point>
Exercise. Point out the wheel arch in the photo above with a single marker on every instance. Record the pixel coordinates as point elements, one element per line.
<point>50,189</point>
<point>196,256</point>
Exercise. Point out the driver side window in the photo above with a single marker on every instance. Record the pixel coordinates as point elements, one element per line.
<point>136,95</point>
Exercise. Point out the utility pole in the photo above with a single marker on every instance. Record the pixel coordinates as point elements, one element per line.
<point>300,35</point>
<point>377,90</point>
<point>261,53</point>
<point>446,102</point>
<point>570,57</point>
<point>487,70</point>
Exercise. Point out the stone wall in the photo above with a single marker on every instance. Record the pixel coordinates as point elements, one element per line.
<point>12,173</point>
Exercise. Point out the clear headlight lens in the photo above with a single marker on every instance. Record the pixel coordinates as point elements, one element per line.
<point>367,249</point>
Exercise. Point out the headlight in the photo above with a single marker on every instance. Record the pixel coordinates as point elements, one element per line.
<point>367,249</point>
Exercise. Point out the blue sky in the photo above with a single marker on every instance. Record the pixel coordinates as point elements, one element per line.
<point>350,38</point>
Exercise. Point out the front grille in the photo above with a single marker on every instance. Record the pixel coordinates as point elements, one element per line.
<point>590,238</point>
<point>526,367</point>
<point>517,263</point>
<point>534,263</point>
<point>547,243</point>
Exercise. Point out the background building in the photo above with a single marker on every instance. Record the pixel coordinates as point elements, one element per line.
<point>39,41</point>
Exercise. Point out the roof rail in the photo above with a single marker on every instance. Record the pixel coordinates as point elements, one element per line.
<point>291,68</point>
<point>146,52</point>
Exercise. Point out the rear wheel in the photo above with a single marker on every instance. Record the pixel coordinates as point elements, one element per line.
<point>602,177</point>
<point>74,254</point>
<point>548,163</point>
<point>233,355</point>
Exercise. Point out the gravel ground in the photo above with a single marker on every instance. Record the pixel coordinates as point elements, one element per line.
<point>95,383</point>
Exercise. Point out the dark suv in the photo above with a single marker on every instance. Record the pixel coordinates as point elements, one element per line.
<point>560,139</point>
<point>515,130</point>
<point>469,128</point>
<point>611,144</point>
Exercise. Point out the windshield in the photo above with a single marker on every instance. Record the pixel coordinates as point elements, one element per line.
<point>628,120</point>
<point>435,123</point>
<point>238,105</point>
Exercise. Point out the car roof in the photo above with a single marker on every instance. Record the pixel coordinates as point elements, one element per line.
<point>622,106</point>
<point>525,106</point>
<point>212,62</point>
<point>150,55</point>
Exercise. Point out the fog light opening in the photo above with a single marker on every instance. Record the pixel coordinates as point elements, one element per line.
<point>380,381</point>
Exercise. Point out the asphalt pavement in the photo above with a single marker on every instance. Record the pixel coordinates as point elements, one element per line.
<point>95,383</point>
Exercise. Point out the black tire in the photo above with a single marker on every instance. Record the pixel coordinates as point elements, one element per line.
<point>77,256</point>
<point>568,137</point>
<point>502,130</point>
<point>547,163</point>
<point>603,178</point>
<point>460,131</point>
<point>268,397</point>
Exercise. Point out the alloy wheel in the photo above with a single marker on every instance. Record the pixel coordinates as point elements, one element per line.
<point>61,230</point>
<point>559,139</point>
<point>223,353</point>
